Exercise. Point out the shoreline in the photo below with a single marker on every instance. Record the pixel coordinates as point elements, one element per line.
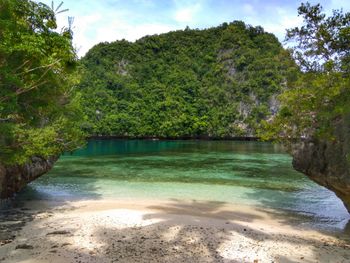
<point>179,138</point>
<point>110,230</point>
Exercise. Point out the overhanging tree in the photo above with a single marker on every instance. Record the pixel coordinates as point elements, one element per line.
<point>39,108</point>
<point>321,92</point>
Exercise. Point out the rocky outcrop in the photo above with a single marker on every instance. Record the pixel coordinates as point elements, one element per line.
<point>14,178</point>
<point>328,162</point>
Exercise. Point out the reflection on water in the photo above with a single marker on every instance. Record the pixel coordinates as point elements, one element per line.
<point>252,173</point>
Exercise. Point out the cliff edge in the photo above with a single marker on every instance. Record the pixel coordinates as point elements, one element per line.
<point>14,178</point>
<point>328,162</point>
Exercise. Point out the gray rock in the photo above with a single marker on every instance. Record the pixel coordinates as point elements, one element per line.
<point>24,246</point>
<point>59,232</point>
<point>14,178</point>
<point>327,162</point>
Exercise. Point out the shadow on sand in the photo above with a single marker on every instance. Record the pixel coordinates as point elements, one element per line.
<point>177,231</point>
<point>30,203</point>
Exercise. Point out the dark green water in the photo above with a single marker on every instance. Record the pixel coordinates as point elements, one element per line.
<point>251,173</point>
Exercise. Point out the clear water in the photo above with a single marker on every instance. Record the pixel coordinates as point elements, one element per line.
<point>252,173</point>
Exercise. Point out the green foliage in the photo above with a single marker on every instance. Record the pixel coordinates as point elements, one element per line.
<point>39,109</point>
<point>321,93</point>
<point>322,43</point>
<point>214,82</point>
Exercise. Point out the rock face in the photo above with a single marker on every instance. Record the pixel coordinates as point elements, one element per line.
<point>328,162</point>
<point>14,178</point>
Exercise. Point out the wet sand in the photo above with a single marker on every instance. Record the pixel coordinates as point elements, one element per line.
<point>167,231</point>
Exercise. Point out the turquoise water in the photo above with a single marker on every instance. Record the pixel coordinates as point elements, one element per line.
<point>252,173</point>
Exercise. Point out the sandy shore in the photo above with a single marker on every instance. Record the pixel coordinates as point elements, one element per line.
<point>167,231</point>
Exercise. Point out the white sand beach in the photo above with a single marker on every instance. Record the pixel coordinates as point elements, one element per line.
<point>168,231</point>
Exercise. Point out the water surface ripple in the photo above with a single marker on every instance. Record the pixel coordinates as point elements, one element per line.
<point>252,173</point>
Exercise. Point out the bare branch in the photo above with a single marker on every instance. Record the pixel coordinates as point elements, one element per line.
<point>59,6</point>
<point>21,66</point>
<point>24,90</point>
<point>44,66</point>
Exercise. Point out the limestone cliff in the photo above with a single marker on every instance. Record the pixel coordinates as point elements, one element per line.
<point>218,82</point>
<point>328,162</point>
<point>14,178</point>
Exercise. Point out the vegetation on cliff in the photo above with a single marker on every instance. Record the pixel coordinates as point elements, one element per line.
<point>320,96</point>
<point>216,82</point>
<point>315,109</point>
<point>39,108</point>
<point>227,81</point>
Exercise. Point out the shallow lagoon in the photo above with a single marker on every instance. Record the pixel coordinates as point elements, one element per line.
<point>236,172</point>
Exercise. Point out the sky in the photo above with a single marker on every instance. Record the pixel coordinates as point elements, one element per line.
<point>98,21</point>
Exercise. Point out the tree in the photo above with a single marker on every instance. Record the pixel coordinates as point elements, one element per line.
<point>322,43</point>
<point>39,108</point>
<point>321,92</point>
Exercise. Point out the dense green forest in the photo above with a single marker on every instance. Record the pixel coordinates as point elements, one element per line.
<point>39,109</point>
<point>320,97</point>
<point>226,81</point>
<point>217,82</point>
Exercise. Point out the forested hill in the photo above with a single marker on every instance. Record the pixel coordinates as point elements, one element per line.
<point>215,82</point>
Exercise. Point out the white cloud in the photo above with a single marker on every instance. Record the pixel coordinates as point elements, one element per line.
<point>249,9</point>
<point>129,32</point>
<point>100,21</point>
<point>145,2</point>
<point>82,29</point>
<point>278,23</point>
<point>186,14</point>
<point>283,21</point>
<point>108,29</point>
<point>338,4</point>
<point>100,24</point>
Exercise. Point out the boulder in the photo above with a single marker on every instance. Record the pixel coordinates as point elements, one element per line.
<point>14,177</point>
